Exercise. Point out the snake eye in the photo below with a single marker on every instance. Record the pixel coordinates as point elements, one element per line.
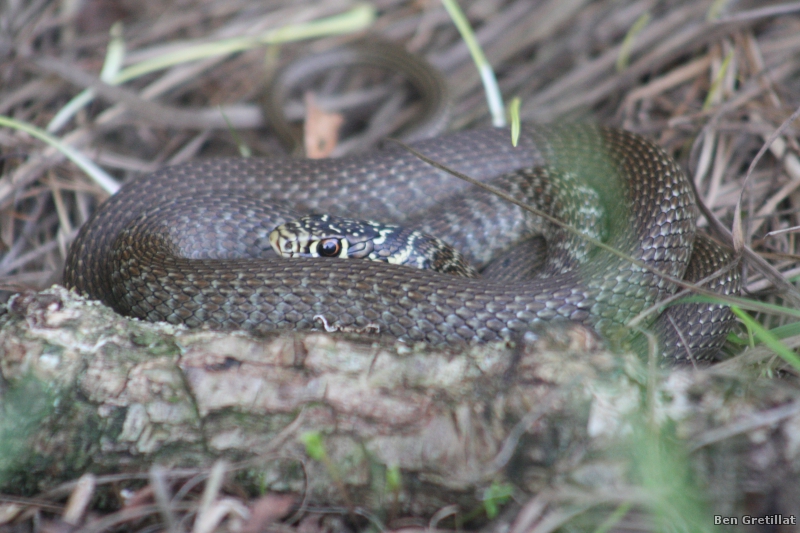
<point>329,248</point>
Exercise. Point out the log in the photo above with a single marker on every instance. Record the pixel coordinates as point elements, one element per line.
<point>361,421</point>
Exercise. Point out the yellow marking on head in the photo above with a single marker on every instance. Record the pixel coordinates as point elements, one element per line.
<point>287,243</point>
<point>401,256</point>
<point>384,233</point>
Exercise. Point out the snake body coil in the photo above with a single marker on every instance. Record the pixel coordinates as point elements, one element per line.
<point>189,244</point>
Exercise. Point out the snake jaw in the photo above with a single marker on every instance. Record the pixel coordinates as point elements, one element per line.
<point>359,249</point>
<point>283,244</point>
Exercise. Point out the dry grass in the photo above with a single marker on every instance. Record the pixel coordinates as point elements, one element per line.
<point>709,81</point>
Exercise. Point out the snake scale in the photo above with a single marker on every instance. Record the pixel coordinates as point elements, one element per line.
<point>189,244</point>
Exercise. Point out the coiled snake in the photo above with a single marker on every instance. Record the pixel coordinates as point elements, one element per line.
<point>189,244</point>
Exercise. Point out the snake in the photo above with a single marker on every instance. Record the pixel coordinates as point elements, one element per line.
<point>328,236</point>
<point>190,244</point>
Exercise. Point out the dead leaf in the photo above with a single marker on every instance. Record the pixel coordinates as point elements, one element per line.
<point>321,129</point>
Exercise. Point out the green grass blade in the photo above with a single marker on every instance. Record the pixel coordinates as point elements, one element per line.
<point>115,55</point>
<point>516,123</point>
<point>356,19</point>
<point>105,181</point>
<point>627,43</point>
<point>493,97</point>
<point>769,340</point>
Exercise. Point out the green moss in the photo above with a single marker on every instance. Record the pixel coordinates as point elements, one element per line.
<point>25,405</point>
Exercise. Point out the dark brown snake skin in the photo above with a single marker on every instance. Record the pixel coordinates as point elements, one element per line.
<point>189,244</point>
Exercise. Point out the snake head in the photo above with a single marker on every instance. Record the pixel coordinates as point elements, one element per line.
<point>326,236</point>
<point>329,236</point>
